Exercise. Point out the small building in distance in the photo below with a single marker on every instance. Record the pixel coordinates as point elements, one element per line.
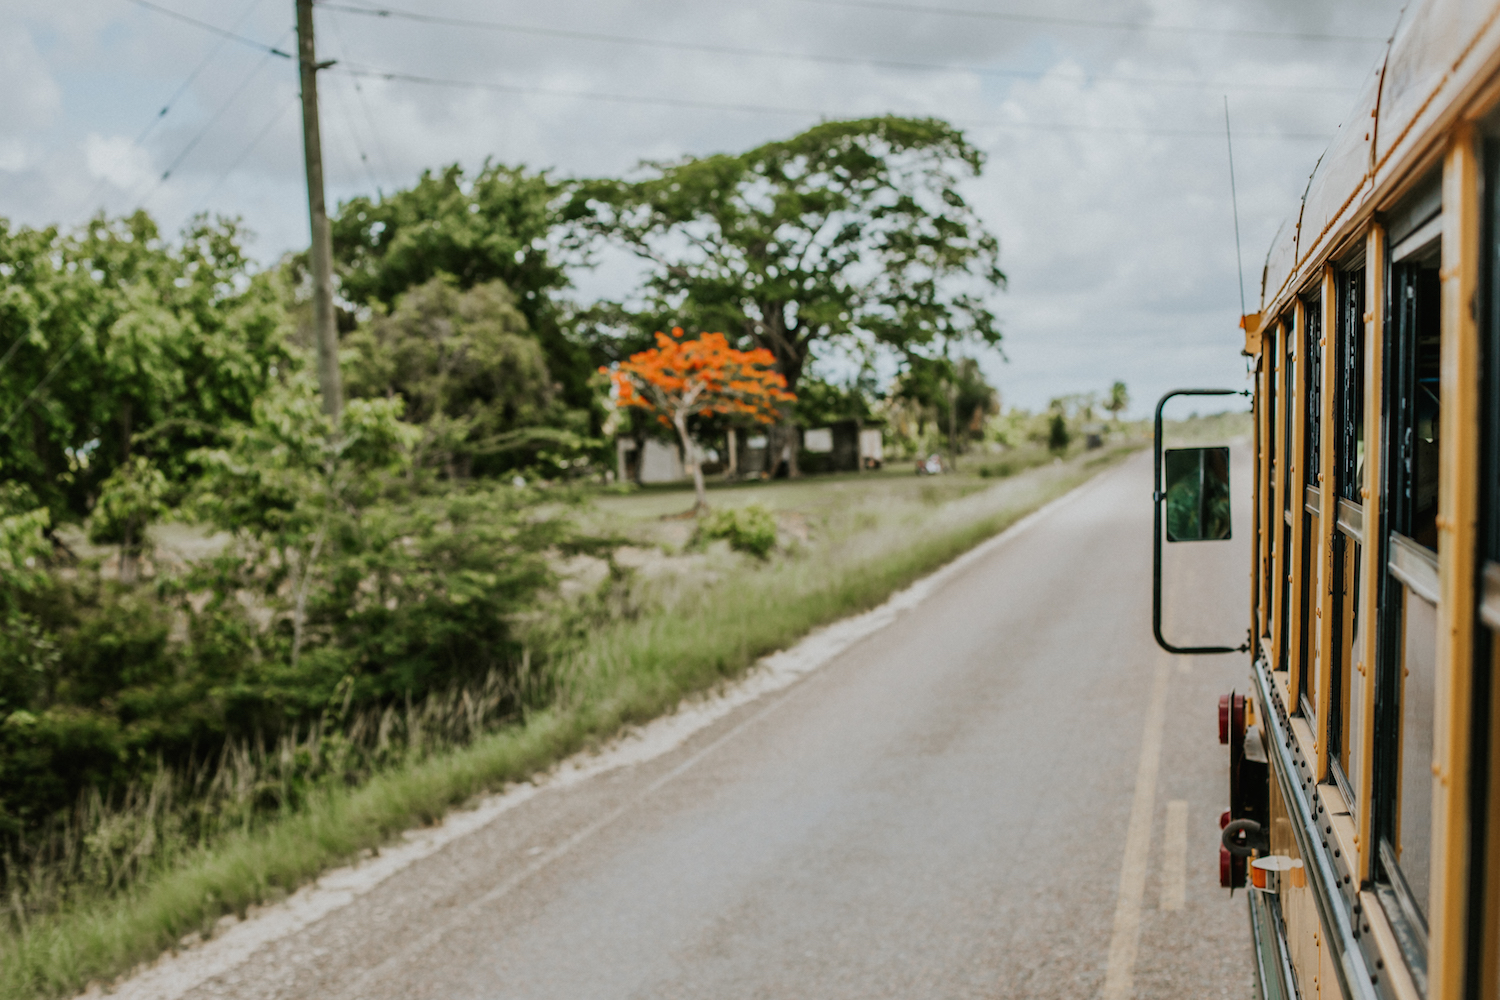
<point>654,462</point>
<point>842,446</point>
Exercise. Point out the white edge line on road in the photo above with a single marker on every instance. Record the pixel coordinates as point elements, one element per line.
<point>175,973</point>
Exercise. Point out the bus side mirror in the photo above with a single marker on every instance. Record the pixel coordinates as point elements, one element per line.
<point>1191,502</point>
<point>1197,494</point>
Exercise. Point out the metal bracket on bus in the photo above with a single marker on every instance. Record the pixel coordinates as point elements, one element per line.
<point>1158,496</point>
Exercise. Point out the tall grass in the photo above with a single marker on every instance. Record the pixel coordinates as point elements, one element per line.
<point>112,887</point>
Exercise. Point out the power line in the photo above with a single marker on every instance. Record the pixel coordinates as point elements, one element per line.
<point>244,155</point>
<point>369,119</point>
<point>351,136</point>
<point>193,143</point>
<point>42,384</point>
<point>1234,200</point>
<point>1091,22</point>
<point>683,102</point>
<point>14,345</point>
<point>695,47</point>
<point>171,102</point>
<point>222,32</point>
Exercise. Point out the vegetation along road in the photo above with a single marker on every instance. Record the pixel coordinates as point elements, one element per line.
<point>1000,789</point>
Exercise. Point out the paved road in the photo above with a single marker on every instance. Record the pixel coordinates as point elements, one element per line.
<point>1006,793</point>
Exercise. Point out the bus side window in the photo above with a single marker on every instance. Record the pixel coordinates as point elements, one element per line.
<point>1271,516</point>
<point>1312,423</point>
<point>1348,555</point>
<point>1407,657</point>
<point>1486,901</point>
<point>1287,380</point>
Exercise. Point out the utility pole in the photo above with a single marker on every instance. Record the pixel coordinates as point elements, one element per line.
<point>324,330</point>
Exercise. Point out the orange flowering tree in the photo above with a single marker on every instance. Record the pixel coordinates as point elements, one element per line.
<point>681,378</point>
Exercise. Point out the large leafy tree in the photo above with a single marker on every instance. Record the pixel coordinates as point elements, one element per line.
<point>952,393</point>
<point>474,377</point>
<point>498,224</point>
<point>119,345</point>
<point>853,231</point>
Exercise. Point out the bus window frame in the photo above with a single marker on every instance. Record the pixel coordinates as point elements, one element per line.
<point>1293,603</point>
<point>1317,509</point>
<point>1408,923</point>
<point>1348,399</point>
<point>1440,962</point>
<point>1372,569</point>
<point>1483,939</point>
<point>1278,521</point>
<point>1265,526</point>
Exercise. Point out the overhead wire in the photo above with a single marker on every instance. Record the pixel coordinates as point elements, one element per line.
<point>213,120</point>
<point>385,11</point>
<point>359,91</point>
<point>225,33</point>
<point>243,156</point>
<point>346,120</point>
<point>171,102</point>
<point>686,102</point>
<point>14,345</point>
<point>43,383</point>
<point>1094,22</point>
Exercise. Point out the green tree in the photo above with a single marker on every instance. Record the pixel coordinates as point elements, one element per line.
<point>820,402</point>
<point>118,343</point>
<point>499,224</point>
<point>1119,400</point>
<point>1058,434</point>
<point>952,394</point>
<point>472,374</point>
<point>852,231</point>
<point>130,499</point>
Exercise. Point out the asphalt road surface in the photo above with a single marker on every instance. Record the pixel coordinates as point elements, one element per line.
<point>1008,792</point>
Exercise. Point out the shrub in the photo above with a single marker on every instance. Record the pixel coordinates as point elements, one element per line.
<point>998,470</point>
<point>1058,437</point>
<point>751,528</point>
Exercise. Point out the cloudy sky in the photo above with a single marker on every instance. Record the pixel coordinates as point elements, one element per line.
<point>1107,178</point>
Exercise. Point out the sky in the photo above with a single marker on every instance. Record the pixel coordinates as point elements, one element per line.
<point>1107,177</point>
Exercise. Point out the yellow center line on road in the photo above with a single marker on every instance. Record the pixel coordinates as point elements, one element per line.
<point>1119,973</point>
<point>1174,857</point>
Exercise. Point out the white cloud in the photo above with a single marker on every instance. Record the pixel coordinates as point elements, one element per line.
<point>117,160</point>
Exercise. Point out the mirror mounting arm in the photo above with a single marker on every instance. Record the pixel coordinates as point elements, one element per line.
<point>1158,495</point>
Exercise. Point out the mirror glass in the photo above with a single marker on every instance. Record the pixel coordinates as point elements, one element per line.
<point>1197,494</point>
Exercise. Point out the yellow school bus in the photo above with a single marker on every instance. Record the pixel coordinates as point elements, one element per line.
<point>1364,812</point>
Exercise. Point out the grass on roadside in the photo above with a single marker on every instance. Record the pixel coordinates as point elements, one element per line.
<point>629,672</point>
